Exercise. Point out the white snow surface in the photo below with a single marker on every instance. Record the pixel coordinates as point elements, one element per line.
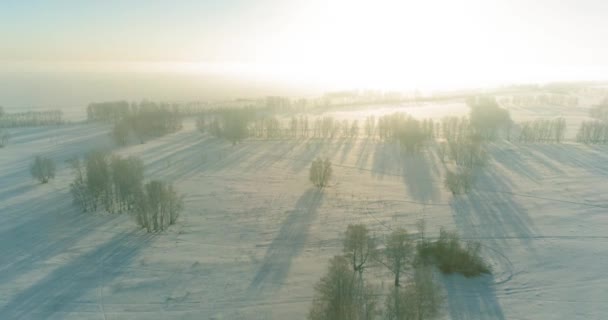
<point>255,236</point>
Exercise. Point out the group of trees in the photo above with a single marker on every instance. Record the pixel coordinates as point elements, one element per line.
<point>43,169</point>
<point>106,181</point>
<point>230,124</point>
<point>136,121</point>
<point>487,119</point>
<point>343,292</point>
<point>409,132</point>
<point>115,184</point>
<point>542,130</point>
<point>461,144</point>
<point>595,131</point>
<point>459,181</point>
<point>237,124</point>
<point>320,172</point>
<point>541,99</point>
<point>600,111</point>
<point>31,118</point>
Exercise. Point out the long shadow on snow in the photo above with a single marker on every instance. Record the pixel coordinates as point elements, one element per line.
<point>418,178</point>
<point>472,299</point>
<point>314,148</point>
<point>416,171</point>
<point>60,290</point>
<point>512,160</point>
<point>593,159</point>
<point>288,243</point>
<point>52,227</point>
<point>490,212</point>
<point>364,152</point>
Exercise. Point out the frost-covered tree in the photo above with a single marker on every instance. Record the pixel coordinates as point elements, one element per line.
<point>127,178</point>
<point>43,169</point>
<point>78,187</point>
<point>158,206</point>
<point>99,179</point>
<point>339,295</point>
<point>320,172</point>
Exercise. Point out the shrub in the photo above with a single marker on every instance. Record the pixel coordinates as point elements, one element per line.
<point>43,169</point>
<point>158,206</point>
<point>320,172</point>
<point>450,256</point>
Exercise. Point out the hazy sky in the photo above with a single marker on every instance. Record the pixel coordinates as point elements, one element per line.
<point>355,42</point>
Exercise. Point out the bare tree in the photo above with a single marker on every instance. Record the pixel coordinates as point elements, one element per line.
<point>398,253</point>
<point>359,247</point>
<point>158,206</point>
<point>339,297</point>
<point>43,169</point>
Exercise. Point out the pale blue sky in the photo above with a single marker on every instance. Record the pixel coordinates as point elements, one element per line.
<point>379,39</point>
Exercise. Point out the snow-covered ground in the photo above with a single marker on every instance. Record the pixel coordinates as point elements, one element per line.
<point>255,236</point>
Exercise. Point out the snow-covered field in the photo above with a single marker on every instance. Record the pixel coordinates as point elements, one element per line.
<point>255,236</point>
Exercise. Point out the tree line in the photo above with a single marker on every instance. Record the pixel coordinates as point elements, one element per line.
<point>595,131</point>
<point>136,121</point>
<point>542,130</point>
<point>31,118</point>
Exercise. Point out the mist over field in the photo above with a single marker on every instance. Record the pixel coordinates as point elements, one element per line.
<point>319,160</point>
